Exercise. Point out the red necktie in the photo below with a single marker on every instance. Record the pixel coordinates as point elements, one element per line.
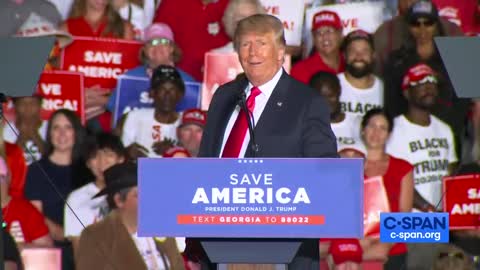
<point>237,135</point>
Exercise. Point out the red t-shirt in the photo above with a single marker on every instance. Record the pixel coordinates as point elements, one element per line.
<point>392,180</point>
<point>305,69</point>
<point>197,28</point>
<point>461,13</point>
<point>17,167</point>
<point>24,222</point>
<point>80,27</point>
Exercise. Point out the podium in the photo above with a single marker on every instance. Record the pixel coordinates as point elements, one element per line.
<point>251,211</point>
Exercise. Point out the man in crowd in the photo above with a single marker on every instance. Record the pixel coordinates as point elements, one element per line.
<point>190,130</point>
<point>150,131</point>
<point>277,102</point>
<point>113,242</point>
<point>346,127</point>
<point>31,129</point>
<point>427,143</point>
<point>361,89</point>
<point>159,48</point>
<point>327,37</point>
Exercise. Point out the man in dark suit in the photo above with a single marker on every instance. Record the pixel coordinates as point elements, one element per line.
<point>289,118</point>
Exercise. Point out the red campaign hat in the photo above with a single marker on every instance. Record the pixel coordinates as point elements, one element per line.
<point>345,250</point>
<point>326,18</point>
<point>194,116</point>
<point>171,152</point>
<point>418,74</point>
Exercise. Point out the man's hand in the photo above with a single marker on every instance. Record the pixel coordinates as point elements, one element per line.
<point>160,147</point>
<point>136,150</point>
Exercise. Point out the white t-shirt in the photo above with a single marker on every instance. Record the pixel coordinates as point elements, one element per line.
<point>358,101</point>
<point>141,127</point>
<point>136,16</point>
<point>429,149</point>
<point>347,131</point>
<point>147,248</point>
<point>10,136</point>
<point>87,209</point>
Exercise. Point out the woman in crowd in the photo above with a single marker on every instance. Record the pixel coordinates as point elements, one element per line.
<point>397,177</point>
<point>61,162</point>
<point>57,173</point>
<point>93,18</point>
<point>424,26</point>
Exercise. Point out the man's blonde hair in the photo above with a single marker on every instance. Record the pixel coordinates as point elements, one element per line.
<point>260,24</point>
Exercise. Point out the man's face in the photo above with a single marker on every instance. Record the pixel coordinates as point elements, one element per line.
<point>332,94</point>
<point>260,56</point>
<point>359,58</point>
<point>327,39</point>
<point>423,96</point>
<point>190,136</point>
<point>159,52</point>
<point>28,108</point>
<point>166,97</point>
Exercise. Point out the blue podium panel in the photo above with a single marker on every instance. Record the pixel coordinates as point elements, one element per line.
<point>254,198</point>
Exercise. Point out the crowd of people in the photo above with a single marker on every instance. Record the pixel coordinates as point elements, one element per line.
<point>72,185</point>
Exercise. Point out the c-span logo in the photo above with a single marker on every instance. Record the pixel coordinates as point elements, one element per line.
<point>414,227</point>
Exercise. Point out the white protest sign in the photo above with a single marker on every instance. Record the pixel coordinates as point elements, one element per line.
<point>291,14</point>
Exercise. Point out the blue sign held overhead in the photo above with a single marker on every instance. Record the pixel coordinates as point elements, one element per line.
<point>260,198</point>
<point>133,93</point>
<point>414,228</point>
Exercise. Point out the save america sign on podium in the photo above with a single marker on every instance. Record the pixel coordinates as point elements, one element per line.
<point>260,198</point>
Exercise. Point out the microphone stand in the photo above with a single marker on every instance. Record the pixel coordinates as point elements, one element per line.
<point>249,115</point>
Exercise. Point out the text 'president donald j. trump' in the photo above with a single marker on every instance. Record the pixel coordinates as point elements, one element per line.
<point>289,119</point>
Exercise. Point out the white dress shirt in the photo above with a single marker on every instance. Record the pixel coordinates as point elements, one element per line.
<point>260,103</point>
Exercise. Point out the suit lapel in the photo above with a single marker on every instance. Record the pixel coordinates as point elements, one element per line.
<point>275,104</point>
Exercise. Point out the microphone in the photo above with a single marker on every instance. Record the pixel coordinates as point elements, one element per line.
<point>242,102</point>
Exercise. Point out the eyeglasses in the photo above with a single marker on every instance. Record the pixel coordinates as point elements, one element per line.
<point>419,23</point>
<point>159,41</point>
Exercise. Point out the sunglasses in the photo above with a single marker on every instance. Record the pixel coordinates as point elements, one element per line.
<point>457,255</point>
<point>159,41</point>
<point>419,23</point>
